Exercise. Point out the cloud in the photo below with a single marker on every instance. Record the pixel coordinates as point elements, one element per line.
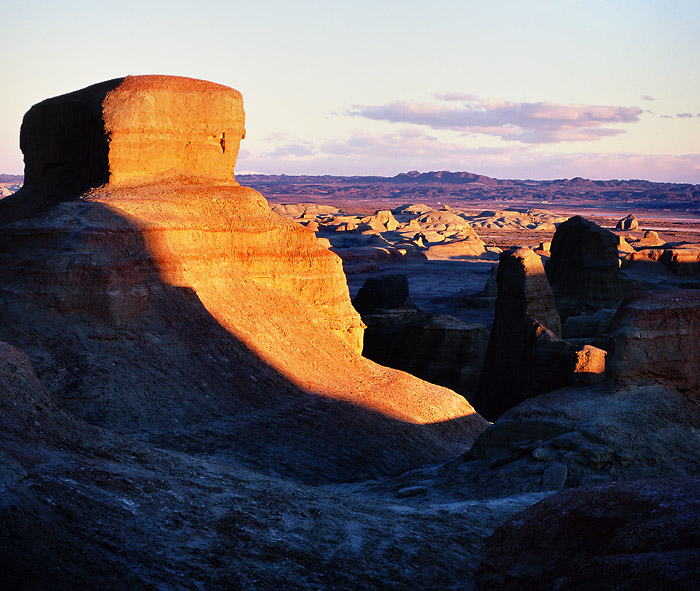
<point>294,150</point>
<point>646,97</point>
<point>685,115</point>
<point>532,123</point>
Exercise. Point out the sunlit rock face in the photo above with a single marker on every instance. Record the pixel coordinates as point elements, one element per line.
<point>131,129</point>
<point>169,296</point>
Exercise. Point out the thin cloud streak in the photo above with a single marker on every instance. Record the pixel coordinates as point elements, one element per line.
<point>530,123</point>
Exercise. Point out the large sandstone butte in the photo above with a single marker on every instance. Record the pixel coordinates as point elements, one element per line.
<point>190,314</point>
<point>127,130</point>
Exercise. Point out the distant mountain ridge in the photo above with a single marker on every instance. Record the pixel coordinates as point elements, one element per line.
<point>459,186</point>
<point>461,178</point>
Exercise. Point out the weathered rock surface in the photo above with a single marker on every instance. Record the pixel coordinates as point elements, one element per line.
<point>525,354</point>
<point>628,223</point>
<point>173,306</point>
<point>579,436</point>
<point>132,129</point>
<point>656,337</point>
<point>626,535</point>
<point>85,508</point>
<point>440,349</point>
<point>583,269</point>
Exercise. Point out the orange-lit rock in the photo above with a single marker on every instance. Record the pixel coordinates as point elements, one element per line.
<point>167,302</point>
<point>132,129</point>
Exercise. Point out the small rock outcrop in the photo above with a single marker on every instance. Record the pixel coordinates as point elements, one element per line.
<point>626,535</point>
<point>439,349</point>
<point>380,293</point>
<point>627,223</point>
<point>584,268</point>
<point>525,355</point>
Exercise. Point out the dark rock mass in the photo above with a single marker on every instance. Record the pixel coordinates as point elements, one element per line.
<point>379,293</point>
<point>439,349</point>
<point>584,269</point>
<point>625,535</point>
<point>525,355</point>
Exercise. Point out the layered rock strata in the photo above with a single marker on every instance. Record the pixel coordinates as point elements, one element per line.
<point>134,129</point>
<point>169,306</point>
<point>655,337</point>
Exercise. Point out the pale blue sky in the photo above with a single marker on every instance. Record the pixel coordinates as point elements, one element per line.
<point>538,89</point>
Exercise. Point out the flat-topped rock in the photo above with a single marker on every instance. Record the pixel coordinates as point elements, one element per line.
<point>133,129</point>
<point>583,269</point>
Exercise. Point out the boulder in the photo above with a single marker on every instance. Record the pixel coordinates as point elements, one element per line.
<point>583,268</point>
<point>625,535</point>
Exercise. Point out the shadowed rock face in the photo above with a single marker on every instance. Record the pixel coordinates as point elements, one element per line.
<point>525,314</point>
<point>583,269</point>
<point>626,535</point>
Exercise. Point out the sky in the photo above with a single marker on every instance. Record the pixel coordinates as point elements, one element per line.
<point>536,89</point>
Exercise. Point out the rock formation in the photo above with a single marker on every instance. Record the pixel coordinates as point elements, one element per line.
<point>628,223</point>
<point>440,349</point>
<point>525,354</point>
<point>385,292</point>
<point>583,269</point>
<point>627,535</point>
<point>134,129</point>
<point>655,337</point>
<point>642,423</point>
<point>165,305</point>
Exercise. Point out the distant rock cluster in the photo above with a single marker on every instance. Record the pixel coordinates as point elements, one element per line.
<point>417,230</point>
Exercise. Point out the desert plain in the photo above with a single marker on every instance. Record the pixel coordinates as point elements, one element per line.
<point>431,381</point>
